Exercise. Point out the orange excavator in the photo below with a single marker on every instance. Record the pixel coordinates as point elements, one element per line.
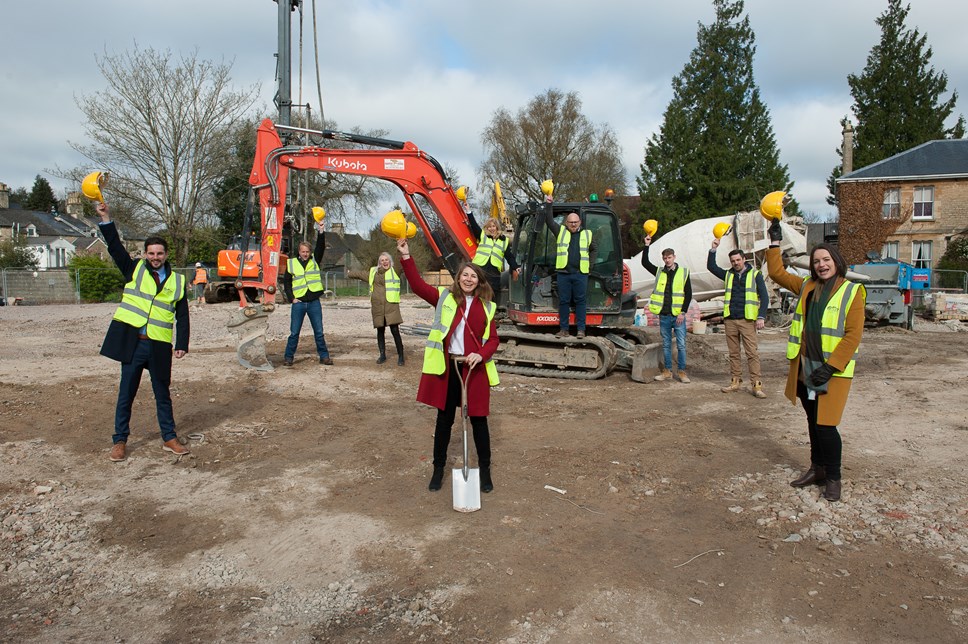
<point>527,347</point>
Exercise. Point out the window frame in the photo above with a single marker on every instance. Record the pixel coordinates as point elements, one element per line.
<point>889,246</point>
<point>919,192</point>
<point>920,245</point>
<point>891,208</point>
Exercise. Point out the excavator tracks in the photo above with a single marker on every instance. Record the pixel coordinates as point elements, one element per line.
<point>545,356</point>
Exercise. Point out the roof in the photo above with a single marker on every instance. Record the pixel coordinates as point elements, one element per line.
<point>44,222</point>
<point>944,159</point>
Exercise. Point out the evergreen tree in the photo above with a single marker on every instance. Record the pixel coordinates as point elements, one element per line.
<point>41,197</point>
<point>715,152</point>
<point>897,98</point>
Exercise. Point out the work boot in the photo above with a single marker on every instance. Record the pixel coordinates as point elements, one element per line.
<point>382,358</point>
<point>118,453</point>
<point>814,476</point>
<point>287,362</point>
<point>683,378</point>
<point>381,344</point>
<point>733,385</point>
<point>832,491</point>
<point>581,334</point>
<point>436,480</point>
<point>665,375</point>
<point>486,484</point>
<point>175,447</point>
<point>326,361</point>
<point>563,333</point>
<point>758,389</point>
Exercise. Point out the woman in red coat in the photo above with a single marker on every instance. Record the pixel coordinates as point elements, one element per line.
<point>463,327</point>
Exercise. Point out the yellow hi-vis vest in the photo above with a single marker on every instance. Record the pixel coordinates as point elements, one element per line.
<point>143,305</point>
<point>564,240</point>
<point>751,310</point>
<point>491,251</point>
<point>678,291</point>
<point>305,279</point>
<point>391,282</point>
<point>434,357</point>
<point>831,325</point>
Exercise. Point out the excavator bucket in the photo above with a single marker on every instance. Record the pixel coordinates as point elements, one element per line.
<point>251,323</point>
<point>646,361</point>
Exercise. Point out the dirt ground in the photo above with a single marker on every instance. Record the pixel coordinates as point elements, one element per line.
<point>303,512</point>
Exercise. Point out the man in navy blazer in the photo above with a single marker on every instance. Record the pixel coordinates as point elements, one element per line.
<point>152,316</point>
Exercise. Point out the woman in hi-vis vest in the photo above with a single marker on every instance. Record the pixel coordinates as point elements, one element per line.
<point>822,347</point>
<point>463,327</point>
<point>384,304</point>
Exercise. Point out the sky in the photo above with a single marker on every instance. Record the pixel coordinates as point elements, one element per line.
<point>435,71</point>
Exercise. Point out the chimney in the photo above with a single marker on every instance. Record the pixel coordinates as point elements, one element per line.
<point>75,207</point>
<point>4,196</point>
<point>848,149</point>
<point>338,228</point>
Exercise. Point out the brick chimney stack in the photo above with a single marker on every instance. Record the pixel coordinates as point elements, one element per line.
<point>75,206</point>
<point>848,149</point>
<point>4,196</point>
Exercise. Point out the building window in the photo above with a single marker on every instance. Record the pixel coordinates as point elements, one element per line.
<point>31,231</point>
<point>921,254</point>
<point>923,202</point>
<point>891,209</point>
<point>890,250</point>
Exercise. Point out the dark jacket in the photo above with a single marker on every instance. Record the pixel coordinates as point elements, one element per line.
<point>574,256</point>
<point>667,296</point>
<point>737,301</point>
<point>122,339</point>
<point>318,251</point>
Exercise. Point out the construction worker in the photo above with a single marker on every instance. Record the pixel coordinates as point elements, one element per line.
<point>492,247</point>
<point>744,313</point>
<point>303,284</point>
<point>384,304</point>
<point>573,261</point>
<point>152,316</point>
<point>670,301</point>
<point>200,281</point>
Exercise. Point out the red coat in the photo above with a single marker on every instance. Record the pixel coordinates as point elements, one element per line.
<point>433,389</point>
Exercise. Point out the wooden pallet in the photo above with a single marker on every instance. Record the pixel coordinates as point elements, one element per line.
<point>949,315</point>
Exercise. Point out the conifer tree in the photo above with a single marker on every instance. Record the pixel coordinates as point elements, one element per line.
<point>897,98</point>
<point>716,152</point>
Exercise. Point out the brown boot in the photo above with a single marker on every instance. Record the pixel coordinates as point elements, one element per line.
<point>733,385</point>
<point>832,491</point>
<point>814,476</point>
<point>118,453</point>
<point>665,375</point>
<point>683,378</point>
<point>175,447</point>
<point>757,389</point>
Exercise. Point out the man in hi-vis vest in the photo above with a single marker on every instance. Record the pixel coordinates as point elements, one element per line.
<point>152,316</point>
<point>573,260</point>
<point>744,313</point>
<point>670,301</point>
<point>303,283</point>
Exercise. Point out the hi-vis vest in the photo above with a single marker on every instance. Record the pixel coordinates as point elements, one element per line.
<point>305,279</point>
<point>491,251</point>
<point>564,240</point>
<point>831,325</point>
<point>391,281</point>
<point>751,310</point>
<point>143,305</point>
<point>201,276</point>
<point>434,358</point>
<point>678,291</point>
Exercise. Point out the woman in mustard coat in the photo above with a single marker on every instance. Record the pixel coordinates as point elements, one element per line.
<point>824,336</point>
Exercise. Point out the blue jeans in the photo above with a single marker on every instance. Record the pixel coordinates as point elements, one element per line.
<point>666,324</point>
<point>572,287</point>
<point>131,373</point>
<point>315,312</point>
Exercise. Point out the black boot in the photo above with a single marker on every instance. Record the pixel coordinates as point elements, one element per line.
<point>486,484</point>
<point>381,344</point>
<point>814,476</point>
<point>832,491</point>
<point>436,480</point>
<point>398,341</point>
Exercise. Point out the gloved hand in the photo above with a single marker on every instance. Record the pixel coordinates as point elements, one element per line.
<point>821,375</point>
<point>774,231</point>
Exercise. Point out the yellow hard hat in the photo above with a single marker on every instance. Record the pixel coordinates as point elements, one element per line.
<point>547,187</point>
<point>650,227</point>
<point>396,226</point>
<point>319,213</point>
<point>721,229</point>
<point>461,193</point>
<point>92,184</point>
<point>771,206</point>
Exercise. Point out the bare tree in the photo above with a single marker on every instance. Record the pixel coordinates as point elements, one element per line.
<point>550,139</point>
<point>162,129</point>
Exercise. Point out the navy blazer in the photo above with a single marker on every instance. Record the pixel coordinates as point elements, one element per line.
<point>122,339</point>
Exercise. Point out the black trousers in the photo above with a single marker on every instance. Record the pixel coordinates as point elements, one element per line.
<point>445,421</point>
<point>826,446</point>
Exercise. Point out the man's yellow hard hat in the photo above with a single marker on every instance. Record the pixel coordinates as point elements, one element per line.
<point>396,226</point>
<point>771,206</point>
<point>721,229</point>
<point>547,187</point>
<point>319,213</point>
<point>92,184</point>
<point>650,227</point>
<point>461,193</point>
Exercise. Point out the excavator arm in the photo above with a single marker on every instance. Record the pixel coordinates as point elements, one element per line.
<point>417,174</point>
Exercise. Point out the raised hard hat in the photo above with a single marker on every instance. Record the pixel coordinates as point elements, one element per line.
<point>721,229</point>
<point>771,206</point>
<point>547,187</point>
<point>396,226</point>
<point>92,184</point>
<point>461,193</point>
<point>650,227</point>
<point>318,213</point>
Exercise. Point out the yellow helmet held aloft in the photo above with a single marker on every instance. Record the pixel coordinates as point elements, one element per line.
<point>721,229</point>
<point>92,184</point>
<point>396,226</point>
<point>547,187</point>
<point>319,213</point>
<point>461,193</point>
<point>650,227</point>
<point>772,204</point>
